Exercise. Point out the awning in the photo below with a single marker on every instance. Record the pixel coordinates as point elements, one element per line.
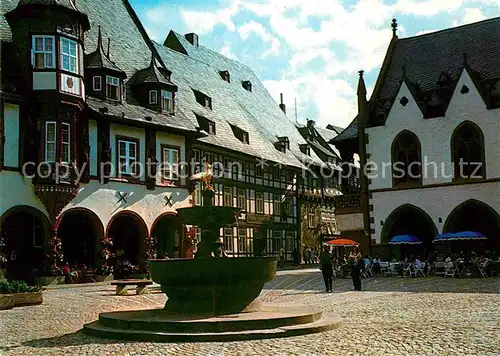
<point>457,236</point>
<point>342,243</point>
<point>405,240</point>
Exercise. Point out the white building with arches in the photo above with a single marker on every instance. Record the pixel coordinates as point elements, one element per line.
<point>432,138</point>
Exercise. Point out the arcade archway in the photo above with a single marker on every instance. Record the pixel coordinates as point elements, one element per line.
<point>24,231</point>
<point>129,234</point>
<point>80,231</point>
<point>167,229</point>
<point>474,215</point>
<point>410,220</point>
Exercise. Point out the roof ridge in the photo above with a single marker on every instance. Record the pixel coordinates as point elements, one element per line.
<point>450,29</point>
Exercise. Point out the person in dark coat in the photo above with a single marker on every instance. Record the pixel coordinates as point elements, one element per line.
<point>327,269</point>
<point>356,269</point>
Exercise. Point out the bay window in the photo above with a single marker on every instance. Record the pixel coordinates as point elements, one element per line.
<point>167,101</point>
<point>170,163</point>
<point>50,141</point>
<point>127,156</point>
<point>57,142</point>
<point>43,52</point>
<point>69,55</point>
<point>112,88</point>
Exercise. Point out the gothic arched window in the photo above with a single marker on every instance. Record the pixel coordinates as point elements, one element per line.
<point>406,160</point>
<point>467,149</point>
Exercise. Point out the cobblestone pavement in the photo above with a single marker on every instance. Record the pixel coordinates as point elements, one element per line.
<point>392,316</point>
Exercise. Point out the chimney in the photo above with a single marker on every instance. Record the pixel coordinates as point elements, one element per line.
<point>192,38</point>
<point>310,123</point>
<point>282,106</point>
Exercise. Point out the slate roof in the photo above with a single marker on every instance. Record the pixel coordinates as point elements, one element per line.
<point>425,57</point>
<point>255,112</point>
<point>99,59</point>
<point>65,3</point>
<point>326,133</point>
<point>151,74</point>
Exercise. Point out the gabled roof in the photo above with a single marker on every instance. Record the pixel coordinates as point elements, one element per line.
<point>151,74</point>
<point>349,132</point>
<point>327,134</point>
<point>254,112</point>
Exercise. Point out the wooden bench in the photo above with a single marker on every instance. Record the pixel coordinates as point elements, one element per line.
<point>121,286</point>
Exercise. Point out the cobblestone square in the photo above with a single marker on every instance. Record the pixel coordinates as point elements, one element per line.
<point>391,316</point>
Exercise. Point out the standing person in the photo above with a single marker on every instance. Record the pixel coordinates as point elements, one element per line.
<point>282,257</point>
<point>357,265</point>
<point>327,269</point>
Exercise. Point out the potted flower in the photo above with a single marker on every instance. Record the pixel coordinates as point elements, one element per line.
<point>18,293</point>
<point>104,273</point>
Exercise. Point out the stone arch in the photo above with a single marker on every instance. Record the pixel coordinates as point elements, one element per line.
<point>24,231</point>
<point>475,215</point>
<point>476,146</point>
<point>80,230</point>
<point>168,229</point>
<point>411,220</point>
<point>406,152</point>
<point>129,234</point>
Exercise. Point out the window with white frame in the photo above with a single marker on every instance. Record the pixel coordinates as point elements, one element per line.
<point>170,163</point>
<point>228,196</point>
<point>153,97</point>
<point>97,83</point>
<point>50,141</point>
<point>167,101</point>
<point>112,88</point>
<point>241,199</point>
<point>277,205</point>
<point>43,52</point>
<point>66,143</point>
<point>127,156</point>
<point>259,205</point>
<point>69,55</point>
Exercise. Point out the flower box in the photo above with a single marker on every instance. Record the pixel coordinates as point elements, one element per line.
<point>101,278</point>
<point>7,301</point>
<point>31,298</point>
<point>49,280</point>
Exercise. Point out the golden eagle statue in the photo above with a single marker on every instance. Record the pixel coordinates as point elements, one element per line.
<point>205,176</point>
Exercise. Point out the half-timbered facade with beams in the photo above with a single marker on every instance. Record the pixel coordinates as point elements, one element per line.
<point>319,187</point>
<point>94,116</point>
<point>430,111</point>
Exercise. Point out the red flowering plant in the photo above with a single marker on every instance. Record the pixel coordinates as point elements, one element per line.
<point>55,254</point>
<point>106,246</point>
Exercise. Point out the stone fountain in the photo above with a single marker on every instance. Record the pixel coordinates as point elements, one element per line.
<point>211,297</point>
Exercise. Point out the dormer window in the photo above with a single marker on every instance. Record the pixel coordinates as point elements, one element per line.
<point>153,97</point>
<point>167,101</point>
<point>69,55</point>
<point>97,83</point>
<point>112,88</point>
<point>247,85</point>
<point>43,52</point>
<point>305,149</point>
<point>240,134</point>
<point>206,125</point>
<point>225,76</point>
<point>203,99</point>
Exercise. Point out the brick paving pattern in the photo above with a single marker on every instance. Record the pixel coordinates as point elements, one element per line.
<point>392,316</point>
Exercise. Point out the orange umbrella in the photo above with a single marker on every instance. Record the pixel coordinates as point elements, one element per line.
<point>342,242</point>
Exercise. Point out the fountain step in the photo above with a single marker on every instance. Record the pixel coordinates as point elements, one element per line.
<point>267,317</point>
<point>98,330</point>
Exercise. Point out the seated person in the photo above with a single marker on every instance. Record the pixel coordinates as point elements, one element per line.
<point>72,276</point>
<point>418,263</point>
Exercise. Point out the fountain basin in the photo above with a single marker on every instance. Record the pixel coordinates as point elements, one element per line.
<point>217,286</point>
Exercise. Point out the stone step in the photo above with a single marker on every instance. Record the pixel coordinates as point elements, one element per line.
<point>98,330</point>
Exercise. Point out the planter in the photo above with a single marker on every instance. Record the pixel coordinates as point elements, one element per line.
<point>23,299</point>
<point>49,280</point>
<point>99,278</point>
<point>7,301</point>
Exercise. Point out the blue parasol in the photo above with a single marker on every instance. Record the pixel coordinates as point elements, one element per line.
<point>405,240</point>
<point>462,235</point>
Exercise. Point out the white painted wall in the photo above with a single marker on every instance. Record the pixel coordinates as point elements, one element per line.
<point>44,80</point>
<point>122,130</point>
<point>437,201</point>
<point>435,134</point>
<point>350,222</point>
<point>11,131</point>
<point>93,142</point>
<point>101,199</point>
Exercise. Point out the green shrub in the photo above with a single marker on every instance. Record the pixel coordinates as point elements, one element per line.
<point>7,287</point>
